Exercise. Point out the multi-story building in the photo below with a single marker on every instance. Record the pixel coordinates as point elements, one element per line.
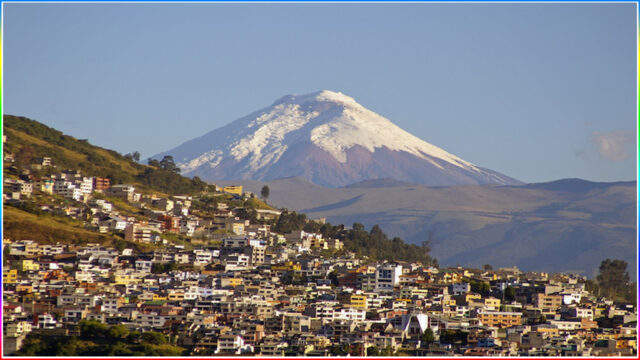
<point>101,184</point>
<point>25,188</point>
<point>122,191</point>
<point>499,319</point>
<point>85,185</point>
<point>544,301</point>
<point>387,276</point>
<point>137,233</point>
<point>68,190</point>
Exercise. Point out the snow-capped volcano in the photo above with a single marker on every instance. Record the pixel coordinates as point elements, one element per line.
<point>328,138</point>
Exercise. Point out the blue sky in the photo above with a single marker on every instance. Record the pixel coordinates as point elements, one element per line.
<point>536,91</point>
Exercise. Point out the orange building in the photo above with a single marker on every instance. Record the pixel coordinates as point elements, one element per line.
<point>500,318</point>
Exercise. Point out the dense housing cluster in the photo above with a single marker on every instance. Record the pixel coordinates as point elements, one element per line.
<point>194,280</point>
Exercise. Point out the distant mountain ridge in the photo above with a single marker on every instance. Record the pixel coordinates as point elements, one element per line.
<point>564,225</point>
<point>327,138</point>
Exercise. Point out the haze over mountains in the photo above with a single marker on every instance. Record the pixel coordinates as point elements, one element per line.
<point>565,225</point>
<point>327,138</point>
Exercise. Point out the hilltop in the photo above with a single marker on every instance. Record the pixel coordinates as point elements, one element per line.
<point>27,139</point>
<point>327,138</point>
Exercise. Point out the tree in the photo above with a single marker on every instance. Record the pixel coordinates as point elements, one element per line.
<point>153,337</point>
<point>247,214</point>
<point>427,337</point>
<point>25,155</point>
<point>136,156</point>
<point>340,349</point>
<point>118,331</point>
<point>387,351</point>
<point>265,192</point>
<point>167,163</point>
<point>92,329</point>
<point>155,163</point>
<point>373,351</point>
<point>510,293</point>
<point>480,287</point>
<point>613,277</point>
<point>487,267</point>
<point>454,337</point>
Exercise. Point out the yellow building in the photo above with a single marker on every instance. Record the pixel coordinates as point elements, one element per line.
<point>233,189</point>
<point>231,281</point>
<point>358,301</point>
<point>24,288</point>
<point>449,302</point>
<point>175,295</point>
<point>472,296</point>
<point>627,343</point>
<point>237,228</point>
<point>287,266</point>
<point>29,265</point>
<point>492,302</point>
<point>124,279</point>
<point>451,278</point>
<point>9,276</point>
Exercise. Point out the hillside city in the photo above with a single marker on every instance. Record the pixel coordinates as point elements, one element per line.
<point>227,274</point>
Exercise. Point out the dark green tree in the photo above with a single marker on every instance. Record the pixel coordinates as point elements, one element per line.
<point>387,351</point>
<point>167,163</point>
<point>373,351</point>
<point>480,287</point>
<point>510,293</point>
<point>454,337</point>
<point>427,337</point>
<point>118,331</point>
<point>265,192</point>
<point>92,328</point>
<point>613,277</point>
<point>153,337</point>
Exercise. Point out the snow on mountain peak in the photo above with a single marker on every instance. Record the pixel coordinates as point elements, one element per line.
<point>323,96</point>
<point>256,145</point>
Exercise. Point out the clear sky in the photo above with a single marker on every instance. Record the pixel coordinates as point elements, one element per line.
<point>535,91</point>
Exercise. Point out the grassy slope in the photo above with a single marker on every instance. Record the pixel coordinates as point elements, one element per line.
<point>45,229</point>
<point>71,153</point>
<point>19,224</point>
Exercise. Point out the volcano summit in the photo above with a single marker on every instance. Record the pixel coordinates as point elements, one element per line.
<point>327,138</point>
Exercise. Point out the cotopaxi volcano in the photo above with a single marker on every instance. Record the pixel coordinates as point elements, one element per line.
<point>327,138</point>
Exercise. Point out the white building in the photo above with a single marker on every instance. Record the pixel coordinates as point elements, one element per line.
<point>387,276</point>
<point>237,262</point>
<point>350,314</point>
<point>232,344</point>
<point>85,185</point>
<point>569,298</point>
<point>67,190</point>
<point>46,321</point>
<point>461,288</point>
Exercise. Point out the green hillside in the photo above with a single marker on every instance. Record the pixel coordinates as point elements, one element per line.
<point>27,139</point>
